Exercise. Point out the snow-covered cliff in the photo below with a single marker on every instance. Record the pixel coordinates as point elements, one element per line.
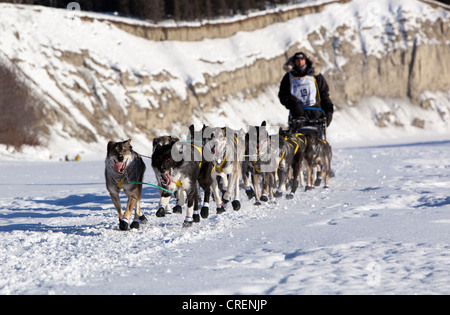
<point>81,80</point>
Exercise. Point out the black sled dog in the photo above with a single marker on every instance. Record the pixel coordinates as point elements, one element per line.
<point>164,206</point>
<point>122,167</point>
<point>197,141</point>
<point>177,166</point>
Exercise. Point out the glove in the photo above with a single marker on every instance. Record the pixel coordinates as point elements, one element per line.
<point>329,116</point>
<point>296,108</point>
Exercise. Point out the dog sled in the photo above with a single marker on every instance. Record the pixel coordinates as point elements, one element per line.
<point>316,127</point>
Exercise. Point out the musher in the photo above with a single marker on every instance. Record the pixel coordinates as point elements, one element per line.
<point>305,93</point>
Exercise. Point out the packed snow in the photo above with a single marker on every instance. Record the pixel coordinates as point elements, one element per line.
<point>382,228</point>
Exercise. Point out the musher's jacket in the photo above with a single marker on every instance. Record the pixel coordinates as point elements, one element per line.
<point>305,89</point>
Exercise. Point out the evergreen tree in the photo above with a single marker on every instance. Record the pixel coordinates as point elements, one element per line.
<point>208,10</point>
<point>157,10</point>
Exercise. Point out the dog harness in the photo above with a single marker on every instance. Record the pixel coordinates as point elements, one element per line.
<point>256,168</point>
<point>305,89</point>
<point>219,168</point>
<point>119,184</point>
<point>199,149</point>
<point>297,135</point>
<point>178,183</point>
<point>282,157</point>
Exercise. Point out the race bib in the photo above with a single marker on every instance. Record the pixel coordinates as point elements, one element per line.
<point>304,89</point>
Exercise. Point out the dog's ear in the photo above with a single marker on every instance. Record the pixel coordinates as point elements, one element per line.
<point>173,140</point>
<point>110,146</point>
<point>128,142</point>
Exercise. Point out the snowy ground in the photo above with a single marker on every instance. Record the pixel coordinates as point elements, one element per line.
<point>382,228</point>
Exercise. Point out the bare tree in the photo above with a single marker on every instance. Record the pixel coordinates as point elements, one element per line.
<point>19,111</point>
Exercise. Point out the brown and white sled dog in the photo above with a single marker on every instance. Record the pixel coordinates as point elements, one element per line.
<point>122,167</point>
<point>225,149</point>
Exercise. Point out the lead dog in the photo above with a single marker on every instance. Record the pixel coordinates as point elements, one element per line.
<point>123,166</point>
<point>176,167</point>
<point>164,206</point>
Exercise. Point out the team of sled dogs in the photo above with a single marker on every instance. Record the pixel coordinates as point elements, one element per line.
<point>215,160</point>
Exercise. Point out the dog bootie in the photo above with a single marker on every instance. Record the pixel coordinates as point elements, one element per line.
<point>177,209</point>
<point>188,222</point>
<point>143,219</point>
<point>264,198</point>
<point>196,216</point>
<point>278,194</point>
<point>249,192</point>
<point>123,224</point>
<point>307,188</point>
<point>236,205</point>
<point>161,212</point>
<point>220,209</point>
<point>318,179</point>
<point>135,224</point>
<point>204,211</point>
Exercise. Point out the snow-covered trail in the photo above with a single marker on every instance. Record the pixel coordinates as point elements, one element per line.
<point>383,227</point>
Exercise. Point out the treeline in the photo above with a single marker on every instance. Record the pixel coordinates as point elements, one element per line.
<point>157,10</point>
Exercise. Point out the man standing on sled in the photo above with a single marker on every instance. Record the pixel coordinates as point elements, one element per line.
<point>305,93</point>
